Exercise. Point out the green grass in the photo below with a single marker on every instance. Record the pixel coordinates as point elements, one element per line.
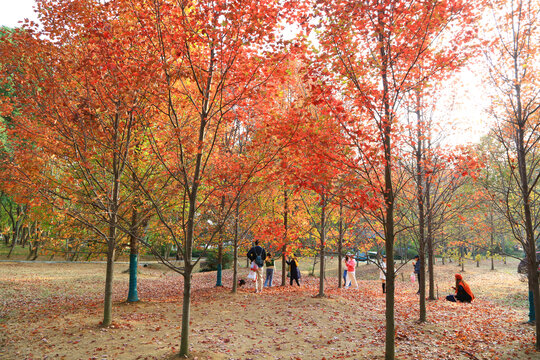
<point>18,252</point>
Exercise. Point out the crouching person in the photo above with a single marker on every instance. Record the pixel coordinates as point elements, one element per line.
<point>463,291</point>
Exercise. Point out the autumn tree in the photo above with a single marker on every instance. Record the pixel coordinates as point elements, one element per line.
<point>76,85</point>
<point>371,49</point>
<point>513,65</point>
<point>211,57</point>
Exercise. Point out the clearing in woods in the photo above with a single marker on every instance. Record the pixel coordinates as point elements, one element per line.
<point>53,311</point>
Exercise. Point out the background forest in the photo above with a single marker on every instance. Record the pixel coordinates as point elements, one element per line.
<point>186,130</point>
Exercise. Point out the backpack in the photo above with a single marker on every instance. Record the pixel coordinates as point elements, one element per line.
<point>259,260</point>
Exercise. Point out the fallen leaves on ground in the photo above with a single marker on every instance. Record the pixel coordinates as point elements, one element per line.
<point>53,311</point>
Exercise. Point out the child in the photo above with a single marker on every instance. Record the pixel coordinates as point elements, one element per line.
<point>269,262</point>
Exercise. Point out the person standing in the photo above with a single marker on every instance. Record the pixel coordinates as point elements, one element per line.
<point>295,270</point>
<point>269,263</point>
<point>382,274</point>
<point>345,283</point>
<point>257,254</point>
<point>351,274</point>
<point>416,265</point>
<point>463,291</point>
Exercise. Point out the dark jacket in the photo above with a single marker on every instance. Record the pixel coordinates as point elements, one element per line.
<point>462,294</point>
<point>254,251</point>
<point>417,267</point>
<point>295,271</point>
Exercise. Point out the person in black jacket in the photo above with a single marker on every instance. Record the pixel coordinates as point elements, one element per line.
<point>257,252</point>
<point>416,265</point>
<point>295,270</point>
<point>463,291</point>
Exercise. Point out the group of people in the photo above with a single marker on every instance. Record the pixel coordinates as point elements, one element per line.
<point>261,259</point>
<point>463,291</point>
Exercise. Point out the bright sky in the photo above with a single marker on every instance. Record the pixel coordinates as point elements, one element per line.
<point>12,11</point>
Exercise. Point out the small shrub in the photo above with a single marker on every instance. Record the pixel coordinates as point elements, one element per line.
<point>211,262</point>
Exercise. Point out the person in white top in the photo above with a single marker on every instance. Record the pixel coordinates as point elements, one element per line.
<point>382,274</point>
<point>351,264</point>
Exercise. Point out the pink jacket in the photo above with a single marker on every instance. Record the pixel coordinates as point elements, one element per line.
<point>351,264</point>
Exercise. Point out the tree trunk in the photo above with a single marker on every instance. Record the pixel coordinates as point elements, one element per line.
<point>188,268</point>
<point>190,226</point>
<point>133,255</point>
<point>322,245</point>
<point>186,310</point>
<point>422,283</point>
<point>36,251</point>
<point>219,272</point>
<point>284,248</point>
<point>431,250</point>
<point>421,214</point>
<point>461,259</point>
<point>107,307</point>
<point>386,125</point>
<point>340,245</point>
<point>314,264</point>
<point>235,247</point>
<point>220,263</point>
<point>530,243</point>
<point>491,239</point>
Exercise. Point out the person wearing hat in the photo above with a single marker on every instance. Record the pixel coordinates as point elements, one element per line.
<point>351,265</point>
<point>463,291</point>
<point>295,270</point>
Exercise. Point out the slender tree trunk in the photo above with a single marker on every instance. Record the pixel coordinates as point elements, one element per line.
<point>530,242</point>
<point>314,264</point>
<point>286,228</point>
<point>186,312</point>
<point>133,255</point>
<point>431,250</point>
<point>188,268</point>
<point>421,213</point>
<point>36,251</point>
<point>111,249</point>
<point>111,240</point>
<point>340,245</point>
<point>388,201</point>
<point>322,245</point>
<point>235,247</point>
<point>188,243</point>
<point>422,282</point>
<point>219,272</point>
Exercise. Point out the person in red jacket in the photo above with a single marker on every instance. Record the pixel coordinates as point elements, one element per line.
<point>463,291</point>
<point>351,265</point>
